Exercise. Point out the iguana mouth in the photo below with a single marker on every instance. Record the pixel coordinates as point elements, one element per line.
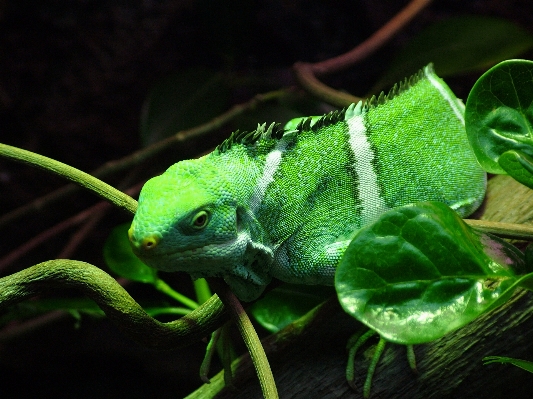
<point>179,252</point>
<point>194,259</point>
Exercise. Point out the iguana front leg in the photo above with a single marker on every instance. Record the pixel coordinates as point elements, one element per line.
<point>249,278</point>
<point>302,260</point>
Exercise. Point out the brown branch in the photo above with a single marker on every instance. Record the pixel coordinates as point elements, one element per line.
<point>306,73</point>
<point>374,42</point>
<point>57,229</point>
<point>79,236</point>
<point>90,224</point>
<point>307,79</point>
<point>29,326</point>
<point>49,234</point>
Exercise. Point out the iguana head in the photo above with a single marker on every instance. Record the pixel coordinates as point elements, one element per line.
<point>186,221</point>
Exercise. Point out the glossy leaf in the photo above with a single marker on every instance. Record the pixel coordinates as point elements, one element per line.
<point>518,165</point>
<point>286,303</point>
<point>499,114</point>
<point>420,272</point>
<point>121,260</point>
<point>523,364</point>
<point>459,45</point>
<point>181,101</point>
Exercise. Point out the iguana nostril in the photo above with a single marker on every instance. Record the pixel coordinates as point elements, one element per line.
<point>149,243</point>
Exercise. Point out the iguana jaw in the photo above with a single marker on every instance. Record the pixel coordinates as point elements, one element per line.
<point>199,261</point>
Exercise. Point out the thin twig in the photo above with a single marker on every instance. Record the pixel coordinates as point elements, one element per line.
<point>307,79</point>
<point>91,223</point>
<point>29,326</point>
<point>117,304</point>
<point>306,73</point>
<point>374,42</point>
<point>505,230</point>
<point>140,156</point>
<point>57,229</point>
<point>79,236</point>
<point>49,234</point>
<point>249,336</point>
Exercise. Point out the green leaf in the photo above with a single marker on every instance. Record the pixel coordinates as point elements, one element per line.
<point>121,260</point>
<point>519,166</point>
<point>420,272</point>
<point>523,364</point>
<point>459,45</point>
<point>499,114</point>
<point>286,303</point>
<point>182,101</point>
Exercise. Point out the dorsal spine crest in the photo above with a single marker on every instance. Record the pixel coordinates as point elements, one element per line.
<point>397,89</point>
<point>276,131</point>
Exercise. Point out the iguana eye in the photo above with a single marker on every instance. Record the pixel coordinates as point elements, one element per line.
<point>199,221</point>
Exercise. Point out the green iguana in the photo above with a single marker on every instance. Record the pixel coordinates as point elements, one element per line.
<point>285,203</point>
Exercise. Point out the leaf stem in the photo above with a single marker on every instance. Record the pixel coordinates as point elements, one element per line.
<point>505,230</point>
<point>354,344</point>
<point>411,358</point>
<point>209,352</point>
<point>166,289</point>
<point>255,348</point>
<point>380,347</point>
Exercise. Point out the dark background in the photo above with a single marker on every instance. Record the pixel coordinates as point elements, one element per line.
<point>73,78</point>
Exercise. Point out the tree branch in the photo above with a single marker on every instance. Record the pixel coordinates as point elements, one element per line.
<point>115,301</point>
<point>307,73</point>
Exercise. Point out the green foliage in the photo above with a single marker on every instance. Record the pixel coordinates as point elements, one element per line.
<point>286,303</point>
<point>458,45</point>
<point>420,272</point>
<point>518,165</point>
<point>523,364</point>
<point>121,260</point>
<point>499,120</point>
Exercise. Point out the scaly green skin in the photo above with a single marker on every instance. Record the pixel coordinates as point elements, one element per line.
<point>285,203</point>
